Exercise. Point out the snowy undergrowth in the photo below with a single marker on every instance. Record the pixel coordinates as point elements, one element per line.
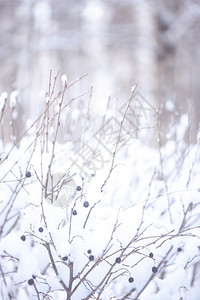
<point>129,232</point>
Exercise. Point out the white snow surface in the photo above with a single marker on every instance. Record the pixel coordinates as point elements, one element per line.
<point>142,209</point>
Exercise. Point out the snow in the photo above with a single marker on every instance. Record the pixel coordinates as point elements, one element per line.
<point>3,98</point>
<point>48,99</point>
<point>169,105</point>
<point>173,282</point>
<point>13,98</point>
<point>129,219</point>
<point>133,89</point>
<point>14,115</point>
<point>64,79</point>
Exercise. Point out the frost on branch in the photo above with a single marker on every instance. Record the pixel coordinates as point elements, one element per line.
<point>13,98</point>
<point>64,80</point>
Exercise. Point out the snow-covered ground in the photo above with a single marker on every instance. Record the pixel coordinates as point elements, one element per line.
<point>121,226</point>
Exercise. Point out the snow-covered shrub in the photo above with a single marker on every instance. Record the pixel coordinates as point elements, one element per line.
<point>130,231</point>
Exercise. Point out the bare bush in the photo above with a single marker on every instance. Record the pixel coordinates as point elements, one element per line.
<point>122,234</point>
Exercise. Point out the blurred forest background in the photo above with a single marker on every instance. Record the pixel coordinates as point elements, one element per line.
<point>154,43</point>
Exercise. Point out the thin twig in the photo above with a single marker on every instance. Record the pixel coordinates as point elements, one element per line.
<point>162,166</point>
<point>119,137</point>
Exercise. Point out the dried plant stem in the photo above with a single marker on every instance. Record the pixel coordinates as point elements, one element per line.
<point>162,167</point>
<point>55,268</point>
<point>118,139</point>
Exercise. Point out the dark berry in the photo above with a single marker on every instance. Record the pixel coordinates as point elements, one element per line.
<point>78,188</point>
<point>74,212</point>
<point>23,238</point>
<point>40,229</point>
<point>28,174</point>
<point>179,249</point>
<point>33,276</point>
<point>118,260</point>
<point>131,279</point>
<point>89,251</point>
<point>65,257</point>
<point>151,254</point>
<point>30,281</point>
<point>154,269</point>
<point>85,203</point>
<point>91,257</point>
